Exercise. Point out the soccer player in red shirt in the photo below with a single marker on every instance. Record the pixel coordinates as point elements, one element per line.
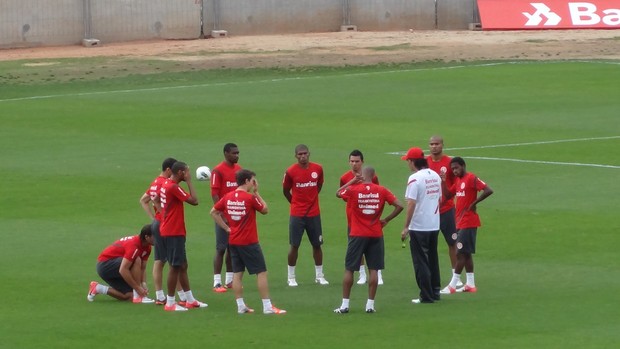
<point>356,160</point>
<point>223,181</point>
<point>466,187</point>
<point>122,265</point>
<point>301,186</point>
<point>173,233</point>
<point>150,203</point>
<point>239,208</point>
<point>440,163</point>
<point>367,201</point>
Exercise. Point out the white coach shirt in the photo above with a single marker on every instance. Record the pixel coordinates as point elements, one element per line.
<point>424,187</point>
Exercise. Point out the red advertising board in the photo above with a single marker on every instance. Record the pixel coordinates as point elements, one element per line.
<point>549,14</point>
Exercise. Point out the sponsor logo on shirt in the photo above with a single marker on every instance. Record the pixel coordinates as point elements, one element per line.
<point>306,185</point>
<point>236,209</point>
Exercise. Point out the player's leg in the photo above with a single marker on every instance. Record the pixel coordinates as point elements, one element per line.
<point>315,235</point>
<point>351,263</point>
<point>295,232</point>
<point>433,262</point>
<point>419,255</point>
<point>375,260</point>
<point>221,244</point>
<point>447,225</point>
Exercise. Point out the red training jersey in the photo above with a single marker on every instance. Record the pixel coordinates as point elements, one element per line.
<point>129,247</point>
<point>304,186</point>
<point>153,192</point>
<point>224,179</point>
<point>172,197</point>
<point>466,191</point>
<point>440,167</point>
<point>344,179</point>
<point>239,209</point>
<point>366,201</point>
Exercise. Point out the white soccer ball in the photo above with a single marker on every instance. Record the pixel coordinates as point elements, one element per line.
<point>203,173</point>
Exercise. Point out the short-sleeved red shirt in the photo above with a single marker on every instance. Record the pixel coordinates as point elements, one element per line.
<point>304,186</point>
<point>153,192</point>
<point>172,197</point>
<point>129,247</point>
<point>443,166</point>
<point>466,191</point>
<point>239,208</point>
<point>344,179</point>
<point>366,202</point>
<point>223,179</point>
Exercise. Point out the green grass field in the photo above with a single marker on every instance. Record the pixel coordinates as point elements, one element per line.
<point>77,155</point>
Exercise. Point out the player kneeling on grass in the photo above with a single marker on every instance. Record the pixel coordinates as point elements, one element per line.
<point>238,209</point>
<point>366,201</point>
<point>122,265</point>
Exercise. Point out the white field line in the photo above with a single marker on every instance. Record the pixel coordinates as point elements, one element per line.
<point>531,143</point>
<point>164,88</point>
<point>543,162</point>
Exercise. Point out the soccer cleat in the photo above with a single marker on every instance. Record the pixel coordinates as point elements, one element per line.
<point>143,300</point>
<point>182,303</point>
<point>292,282</point>
<point>219,288</point>
<point>467,288</point>
<point>416,301</point>
<point>92,291</point>
<point>361,280</point>
<point>245,310</point>
<point>229,285</point>
<point>274,310</point>
<point>174,307</point>
<point>371,310</point>
<point>321,280</point>
<point>160,301</point>
<point>459,284</point>
<point>341,310</point>
<point>448,290</point>
<point>195,304</point>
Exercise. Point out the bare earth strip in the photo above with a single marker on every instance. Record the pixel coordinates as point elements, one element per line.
<point>351,48</point>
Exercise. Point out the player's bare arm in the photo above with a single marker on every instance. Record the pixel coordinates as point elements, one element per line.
<point>398,208</point>
<point>219,220</point>
<point>144,202</point>
<point>486,192</point>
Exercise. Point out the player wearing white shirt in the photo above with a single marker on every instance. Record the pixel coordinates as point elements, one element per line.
<point>423,196</point>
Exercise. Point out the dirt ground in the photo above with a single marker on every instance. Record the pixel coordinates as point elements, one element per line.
<point>351,48</point>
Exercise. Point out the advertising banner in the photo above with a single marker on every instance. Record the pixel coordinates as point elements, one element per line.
<point>549,14</point>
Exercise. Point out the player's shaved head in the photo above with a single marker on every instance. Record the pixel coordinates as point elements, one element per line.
<point>368,172</point>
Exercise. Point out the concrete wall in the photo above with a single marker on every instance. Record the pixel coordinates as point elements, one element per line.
<point>253,17</point>
<point>456,14</point>
<point>125,20</point>
<point>27,23</point>
<point>384,15</point>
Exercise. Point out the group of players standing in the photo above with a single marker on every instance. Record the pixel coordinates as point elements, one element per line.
<point>429,208</point>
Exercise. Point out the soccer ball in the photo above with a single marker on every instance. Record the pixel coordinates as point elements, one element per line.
<point>203,173</point>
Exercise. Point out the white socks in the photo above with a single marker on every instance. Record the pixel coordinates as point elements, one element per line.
<point>229,277</point>
<point>291,272</point>
<point>189,296</point>
<point>102,289</point>
<point>160,295</point>
<point>217,279</point>
<point>318,269</point>
<point>267,304</point>
<point>370,304</point>
<point>470,280</point>
<point>345,303</point>
<point>182,297</point>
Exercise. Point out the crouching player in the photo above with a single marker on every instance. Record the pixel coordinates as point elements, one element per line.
<point>122,265</point>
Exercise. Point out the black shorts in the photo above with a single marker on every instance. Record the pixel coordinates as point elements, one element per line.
<point>175,250</point>
<point>371,248</point>
<point>466,240</point>
<point>248,257</point>
<point>312,225</point>
<point>221,238</point>
<point>160,250</point>
<point>109,271</point>
<point>447,225</point>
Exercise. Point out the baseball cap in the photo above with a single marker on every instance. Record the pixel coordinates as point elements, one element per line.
<point>413,153</point>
